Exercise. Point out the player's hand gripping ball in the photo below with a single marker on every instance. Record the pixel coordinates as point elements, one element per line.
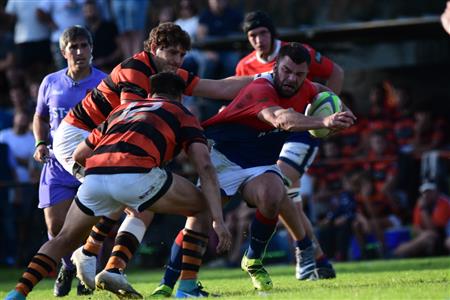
<point>323,105</point>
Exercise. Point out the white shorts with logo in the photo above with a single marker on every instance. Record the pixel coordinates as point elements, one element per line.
<point>232,177</point>
<point>67,138</point>
<point>102,194</point>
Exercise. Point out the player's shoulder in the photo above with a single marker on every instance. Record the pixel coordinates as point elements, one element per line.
<point>249,58</point>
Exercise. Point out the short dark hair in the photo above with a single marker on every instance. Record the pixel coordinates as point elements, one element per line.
<point>167,83</point>
<point>166,35</point>
<point>257,19</point>
<point>73,32</point>
<point>295,51</point>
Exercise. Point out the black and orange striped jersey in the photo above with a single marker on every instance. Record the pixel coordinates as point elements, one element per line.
<point>140,135</point>
<point>128,80</point>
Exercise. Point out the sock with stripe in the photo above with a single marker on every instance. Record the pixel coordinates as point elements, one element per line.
<point>98,234</point>
<point>194,246</point>
<point>130,235</point>
<point>261,231</point>
<point>173,268</point>
<point>39,267</point>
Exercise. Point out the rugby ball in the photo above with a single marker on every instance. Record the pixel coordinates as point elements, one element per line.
<point>324,104</point>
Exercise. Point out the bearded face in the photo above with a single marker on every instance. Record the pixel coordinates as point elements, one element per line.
<point>289,76</point>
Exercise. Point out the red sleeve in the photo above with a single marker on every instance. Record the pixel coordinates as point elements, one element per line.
<point>441,213</point>
<point>321,66</point>
<point>416,216</point>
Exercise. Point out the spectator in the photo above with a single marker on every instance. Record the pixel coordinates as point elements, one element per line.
<point>431,216</point>
<point>130,17</point>
<point>351,140</point>
<point>8,177</point>
<point>219,20</point>
<point>188,20</point>
<point>404,122</point>
<point>107,52</point>
<point>31,38</point>
<point>6,63</point>
<point>373,216</point>
<point>58,15</point>
<point>335,228</point>
<point>21,142</point>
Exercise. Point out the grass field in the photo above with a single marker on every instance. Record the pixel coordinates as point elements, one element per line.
<point>394,279</point>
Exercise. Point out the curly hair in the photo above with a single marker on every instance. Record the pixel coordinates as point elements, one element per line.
<point>167,35</point>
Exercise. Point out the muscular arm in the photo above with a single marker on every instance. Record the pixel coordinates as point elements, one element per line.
<point>82,152</point>
<point>41,128</point>
<point>199,155</point>
<point>226,88</point>
<point>290,120</point>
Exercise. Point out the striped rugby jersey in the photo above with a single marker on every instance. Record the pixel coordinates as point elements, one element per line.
<point>129,80</point>
<point>140,135</point>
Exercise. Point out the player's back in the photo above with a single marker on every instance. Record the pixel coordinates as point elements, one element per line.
<point>140,135</point>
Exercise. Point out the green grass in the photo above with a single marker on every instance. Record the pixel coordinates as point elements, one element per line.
<point>394,279</point>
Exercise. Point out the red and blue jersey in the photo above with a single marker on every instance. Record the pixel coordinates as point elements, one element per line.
<point>245,139</point>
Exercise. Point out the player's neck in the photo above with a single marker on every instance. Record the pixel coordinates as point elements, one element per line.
<point>77,75</point>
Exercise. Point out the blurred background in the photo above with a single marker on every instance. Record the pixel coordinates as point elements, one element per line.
<point>366,187</point>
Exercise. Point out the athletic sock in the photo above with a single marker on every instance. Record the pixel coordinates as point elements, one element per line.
<point>194,246</point>
<point>130,235</point>
<point>304,243</point>
<point>98,234</point>
<point>173,268</point>
<point>261,231</point>
<point>37,269</point>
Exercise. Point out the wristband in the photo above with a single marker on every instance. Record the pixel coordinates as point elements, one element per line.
<point>40,142</point>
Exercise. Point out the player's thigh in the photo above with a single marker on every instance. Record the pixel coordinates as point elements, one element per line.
<point>265,189</point>
<point>56,214</point>
<point>182,197</point>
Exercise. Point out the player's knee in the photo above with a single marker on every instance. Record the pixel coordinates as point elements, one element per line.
<point>54,228</point>
<point>270,206</point>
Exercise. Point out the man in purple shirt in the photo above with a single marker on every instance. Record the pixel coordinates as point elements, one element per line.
<point>58,93</point>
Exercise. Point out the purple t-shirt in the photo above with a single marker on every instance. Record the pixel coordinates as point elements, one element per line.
<point>58,93</point>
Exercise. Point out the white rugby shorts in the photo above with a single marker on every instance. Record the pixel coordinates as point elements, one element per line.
<point>232,177</point>
<point>66,139</point>
<point>103,194</point>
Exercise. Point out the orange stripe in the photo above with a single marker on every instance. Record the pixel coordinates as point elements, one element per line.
<point>49,261</point>
<point>92,245</point>
<point>124,250</point>
<point>191,260</point>
<point>115,262</point>
<point>22,288</point>
<point>98,231</point>
<point>190,246</point>
<point>30,277</point>
<point>38,268</point>
<point>198,237</point>
<point>188,274</point>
